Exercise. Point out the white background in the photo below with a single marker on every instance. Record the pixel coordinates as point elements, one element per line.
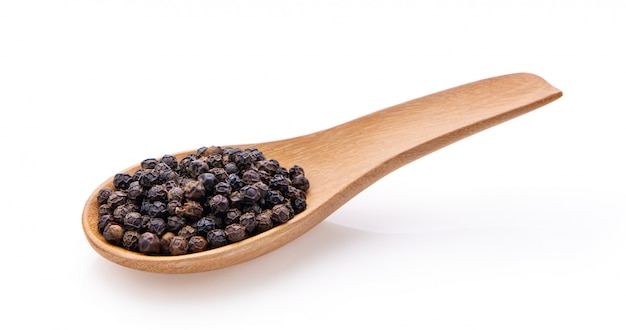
<point>521,226</point>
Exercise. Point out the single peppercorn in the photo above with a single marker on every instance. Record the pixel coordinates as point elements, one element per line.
<point>194,190</point>
<point>248,220</point>
<point>133,221</point>
<point>166,239</point>
<point>157,209</point>
<point>216,238</point>
<point>279,182</point>
<point>219,204</point>
<point>149,243</point>
<point>157,226</point>
<point>250,194</point>
<point>170,161</point>
<point>206,224</point>
<point>197,244</point>
<point>235,232</point>
<point>301,182</point>
<point>113,233</point>
<point>122,180</point>
<point>175,223</point>
<point>178,245</point>
<point>157,192</point>
<point>130,240</point>
<point>281,214</point>
<point>148,178</point>
<point>176,194</point>
<point>187,231</point>
<point>104,209</point>
<point>264,221</point>
<point>134,191</point>
<point>223,188</point>
<point>197,167</point>
<point>231,168</point>
<point>116,199</point>
<point>103,195</point>
<point>149,163</point>
<point>274,197</point>
<point>232,216</point>
<point>191,210</point>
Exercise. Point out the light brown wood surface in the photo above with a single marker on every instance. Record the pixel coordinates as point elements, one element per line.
<point>342,161</point>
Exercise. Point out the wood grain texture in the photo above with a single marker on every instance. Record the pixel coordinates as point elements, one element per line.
<point>342,161</point>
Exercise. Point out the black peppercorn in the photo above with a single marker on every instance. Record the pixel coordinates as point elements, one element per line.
<point>216,238</point>
<point>220,174</point>
<point>134,191</point>
<point>149,243</point>
<point>235,199</point>
<point>170,161</point>
<point>130,240</point>
<point>208,199</point>
<point>191,210</point>
<point>231,168</point>
<point>248,220</point>
<point>208,180</point>
<point>223,188</point>
<point>301,182</point>
<point>113,233</point>
<point>270,166</point>
<point>219,204</point>
<point>122,180</point>
<point>133,221</point>
<point>298,204</point>
<point>215,160</point>
<point>175,223</point>
<point>104,209</point>
<point>194,190</point>
<point>116,199</point>
<point>149,163</point>
<point>197,244</point>
<point>178,246</point>
<point>157,209</point>
<point>250,176</point>
<point>120,212</point>
<point>279,182</point>
<point>187,231</point>
<point>232,216</point>
<point>264,221</point>
<point>235,232</point>
<point>281,214</point>
<point>274,197</point>
<point>157,226</point>
<point>103,195</point>
<point>235,181</point>
<point>166,239</point>
<point>172,205</point>
<point>103,221</point>
<point>157,193</point>
<point>149,178</point>
<point>206,224</point>
<point>250,194</point>
<point>197,167</point>
<point>175,194</point>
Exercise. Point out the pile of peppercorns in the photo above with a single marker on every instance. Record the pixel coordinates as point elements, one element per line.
<point>206,200</point>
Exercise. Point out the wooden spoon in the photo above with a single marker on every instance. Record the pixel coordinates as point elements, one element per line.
<point>342,161</point>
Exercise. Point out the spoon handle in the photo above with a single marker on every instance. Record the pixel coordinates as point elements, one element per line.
<point>374,145</point>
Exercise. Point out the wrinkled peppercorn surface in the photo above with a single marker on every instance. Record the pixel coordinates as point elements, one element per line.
<point>202,201</point>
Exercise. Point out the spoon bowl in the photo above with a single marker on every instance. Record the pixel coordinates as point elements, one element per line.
<point>343,160</point>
